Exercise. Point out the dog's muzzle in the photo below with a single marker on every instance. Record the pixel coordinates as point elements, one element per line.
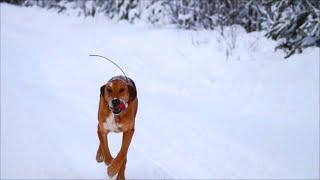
<point>117,105</point>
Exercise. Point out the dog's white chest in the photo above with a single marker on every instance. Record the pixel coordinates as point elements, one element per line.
<point>111,124</point>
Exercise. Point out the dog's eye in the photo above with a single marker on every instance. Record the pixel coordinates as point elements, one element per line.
<point>121,90</point>
<point>109,91</point>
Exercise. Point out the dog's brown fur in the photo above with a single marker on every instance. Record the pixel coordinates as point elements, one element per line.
<point>117,87</point>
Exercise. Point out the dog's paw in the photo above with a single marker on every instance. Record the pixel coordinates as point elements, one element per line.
<point>99,156</point>
<point>100,159</point>
<point>120,177</point>
<point>108,161</point>
<point>112,169</point>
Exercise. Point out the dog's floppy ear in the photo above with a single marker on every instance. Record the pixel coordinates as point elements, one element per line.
<point>102,90</point>
<point>132,93</point>
<point>102,111</point>
<point>132,90</point>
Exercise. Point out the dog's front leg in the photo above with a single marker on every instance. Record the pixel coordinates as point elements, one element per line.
<point>108,157</point>
<point>100,154</point>
<point>121,174</point>
<point>104,146</point>
<point>122,155</point>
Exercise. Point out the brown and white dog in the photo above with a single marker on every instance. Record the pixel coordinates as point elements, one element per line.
<point>117,111</point>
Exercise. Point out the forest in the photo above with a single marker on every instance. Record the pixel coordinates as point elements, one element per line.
<point>294,24</point>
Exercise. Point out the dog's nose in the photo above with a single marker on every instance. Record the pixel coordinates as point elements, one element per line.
<point>115,102</point>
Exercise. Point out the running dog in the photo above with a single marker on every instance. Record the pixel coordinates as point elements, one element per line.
<point>118,107</point>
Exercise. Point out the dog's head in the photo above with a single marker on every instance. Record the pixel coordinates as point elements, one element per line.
<point>118,92</point>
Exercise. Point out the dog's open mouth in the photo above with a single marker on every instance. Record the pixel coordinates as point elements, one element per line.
<point>116,111</point>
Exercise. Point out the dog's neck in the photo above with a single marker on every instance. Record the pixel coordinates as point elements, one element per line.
<point>117,118</point>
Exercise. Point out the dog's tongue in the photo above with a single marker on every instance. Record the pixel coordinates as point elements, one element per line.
<point>121,106</point>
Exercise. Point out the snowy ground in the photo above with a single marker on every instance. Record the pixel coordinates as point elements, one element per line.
<point>201,115</point>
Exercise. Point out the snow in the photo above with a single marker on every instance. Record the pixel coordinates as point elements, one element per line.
<point>201,114</point>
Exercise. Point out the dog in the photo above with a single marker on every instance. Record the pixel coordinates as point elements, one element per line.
<point>118,107</point>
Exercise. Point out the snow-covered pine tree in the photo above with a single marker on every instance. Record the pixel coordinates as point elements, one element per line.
<point>252,15</point>
<point>16,2</point>
<point>296,24</point>
<point>156,12</point>
<point>123,9</point>
<point>187,14</point>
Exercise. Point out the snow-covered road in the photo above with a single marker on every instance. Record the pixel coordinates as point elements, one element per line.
<point>254,115</point>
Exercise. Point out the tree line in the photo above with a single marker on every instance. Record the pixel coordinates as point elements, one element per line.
<point>295,24</point>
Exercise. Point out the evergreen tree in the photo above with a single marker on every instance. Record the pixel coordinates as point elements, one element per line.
<point>296,24</point>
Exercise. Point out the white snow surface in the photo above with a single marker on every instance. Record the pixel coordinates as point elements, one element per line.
<point>201,114</point>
